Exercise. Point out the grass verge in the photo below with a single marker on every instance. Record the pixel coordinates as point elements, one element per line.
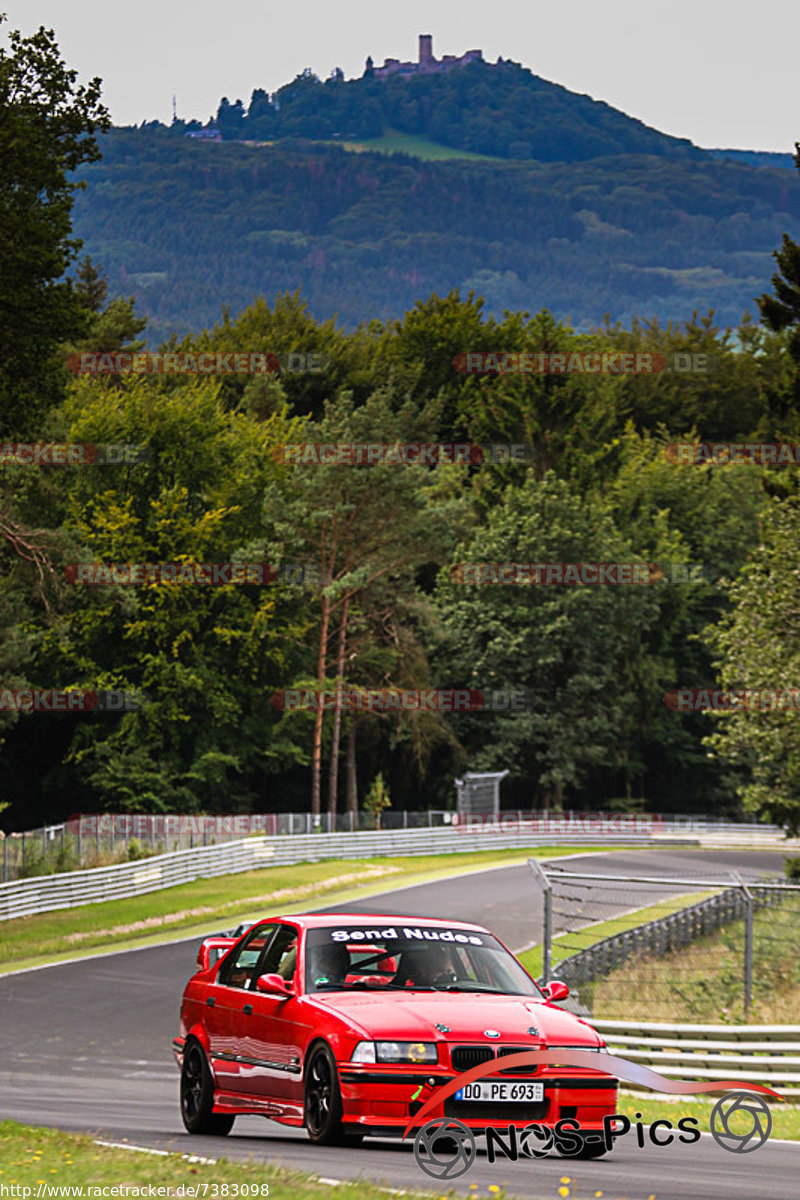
<point>34,1157</point>
<point>704,983</point>
<point>785,1118</point>
<point>565,945</point>
<point>207,905</point>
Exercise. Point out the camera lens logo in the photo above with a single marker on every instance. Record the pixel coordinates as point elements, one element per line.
<point>536,1141</point>
<point>444,1148</point>
<point>751,1120</point>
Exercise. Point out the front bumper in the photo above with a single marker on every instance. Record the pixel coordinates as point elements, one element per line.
<point>386,1099</point>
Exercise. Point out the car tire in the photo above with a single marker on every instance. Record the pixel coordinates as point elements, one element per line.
<point>197,1095</point>
<point>322,1103</point>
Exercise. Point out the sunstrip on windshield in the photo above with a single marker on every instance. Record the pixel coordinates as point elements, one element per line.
<point>408,933</point>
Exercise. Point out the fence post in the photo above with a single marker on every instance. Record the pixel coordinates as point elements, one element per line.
<point>748,957</point>
<point>5,859</point>
<point>745,898</point>
<point>547,930</point>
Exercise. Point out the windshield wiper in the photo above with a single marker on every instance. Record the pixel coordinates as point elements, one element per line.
<point>402,987</point>
<point>472,986</point>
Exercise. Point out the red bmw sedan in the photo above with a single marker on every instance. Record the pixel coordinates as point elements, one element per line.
<point>347,1024</point>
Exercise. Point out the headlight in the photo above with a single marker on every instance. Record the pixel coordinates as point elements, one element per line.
<point>414,1052</point>
<point>396,1052</point>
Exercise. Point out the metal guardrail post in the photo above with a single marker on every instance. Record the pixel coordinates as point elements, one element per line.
<point>547,924</point>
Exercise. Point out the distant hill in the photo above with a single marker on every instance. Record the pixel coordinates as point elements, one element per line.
<point>188,227</point>
<point>501,109</point>
<point>756,158</point>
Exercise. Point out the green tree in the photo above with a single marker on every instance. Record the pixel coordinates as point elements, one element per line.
<point>205,659</point>
<point>361,525</point>
<point>576,650</point>
<point>782,309</point>
<point>757,647</point>
<point>377,800</point>
<point>47,129</point>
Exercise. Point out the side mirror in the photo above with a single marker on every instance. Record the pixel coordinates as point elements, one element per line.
<point>274,985</point>
<point>555,990</point>
<point>212,950</point>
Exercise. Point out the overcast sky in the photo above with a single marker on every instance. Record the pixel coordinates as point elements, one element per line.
<point>721,72</point>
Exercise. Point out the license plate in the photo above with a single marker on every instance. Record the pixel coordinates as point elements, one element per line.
<point>500,1092</point>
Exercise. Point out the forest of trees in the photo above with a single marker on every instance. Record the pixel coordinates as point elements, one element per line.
<point>189,227</point>
<point>599,486</point>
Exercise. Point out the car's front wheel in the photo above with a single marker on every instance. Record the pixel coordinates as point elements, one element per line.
<point>197,1095</point>
<point>323,1100</point>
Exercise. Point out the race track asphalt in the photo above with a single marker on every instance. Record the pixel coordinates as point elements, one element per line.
<point>86,1046</point>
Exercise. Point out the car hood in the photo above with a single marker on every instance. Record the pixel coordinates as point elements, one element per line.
<point>415,1015</point>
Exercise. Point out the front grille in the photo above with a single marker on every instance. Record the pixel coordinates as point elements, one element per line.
<point>530,1069</point>
<point>465,1057</point>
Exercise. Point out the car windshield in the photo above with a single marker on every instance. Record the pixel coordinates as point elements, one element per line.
<point>411,957</point>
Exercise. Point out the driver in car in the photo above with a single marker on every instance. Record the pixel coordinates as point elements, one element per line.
<point>329,965</point>
<point>433,966</point>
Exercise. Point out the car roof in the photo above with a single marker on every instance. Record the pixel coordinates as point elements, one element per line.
<point>357,920</point>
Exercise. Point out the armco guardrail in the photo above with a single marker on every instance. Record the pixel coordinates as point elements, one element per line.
<point>662,935</point>
<point>767,1054</point>
<point>45,893</point>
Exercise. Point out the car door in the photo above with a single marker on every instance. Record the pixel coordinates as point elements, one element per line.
<point>271,1042</point>
<point>226,999</point>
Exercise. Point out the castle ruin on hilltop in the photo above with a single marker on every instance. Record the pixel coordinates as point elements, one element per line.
<point>427,65</point>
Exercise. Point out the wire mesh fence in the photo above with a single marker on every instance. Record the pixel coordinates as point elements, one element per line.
<point>101,840</point>
<point>680,949</point>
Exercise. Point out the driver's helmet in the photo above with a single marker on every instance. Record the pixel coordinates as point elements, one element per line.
<point>329,963</point>
<point>423,966</point>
